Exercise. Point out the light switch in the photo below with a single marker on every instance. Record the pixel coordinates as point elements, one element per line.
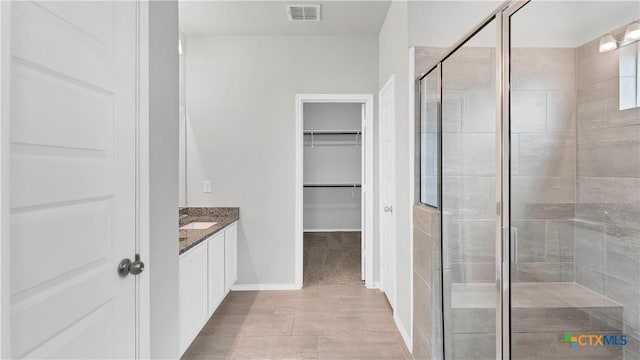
<point>207,186</point>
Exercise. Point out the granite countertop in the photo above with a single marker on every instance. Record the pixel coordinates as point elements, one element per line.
<point>224,216</point>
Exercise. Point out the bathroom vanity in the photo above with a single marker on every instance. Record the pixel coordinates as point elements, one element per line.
<point>207,266</point>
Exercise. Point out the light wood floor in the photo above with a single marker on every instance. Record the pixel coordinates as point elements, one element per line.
<point>318,322</point>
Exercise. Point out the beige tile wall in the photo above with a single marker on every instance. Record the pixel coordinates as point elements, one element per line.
<point>543,161</point>
<point>427,337</point>
<point>607,233</point>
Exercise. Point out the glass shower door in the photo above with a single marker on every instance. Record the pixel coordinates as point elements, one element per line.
<point>469,221</point>
<point>575,185</point>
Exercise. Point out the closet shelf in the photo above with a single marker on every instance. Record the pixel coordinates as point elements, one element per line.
<point>332,185</point>
<point>332,132</point>
<point>313,133</point>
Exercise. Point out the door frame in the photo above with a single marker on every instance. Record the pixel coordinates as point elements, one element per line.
<point>367,181</point>
<point>143,205</point>
<point>142,236</point>
<point>5,279</point>
<point>503,170</point>
<point>388,86</point>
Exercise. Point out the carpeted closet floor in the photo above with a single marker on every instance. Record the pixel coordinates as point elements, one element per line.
<point>332,258</point>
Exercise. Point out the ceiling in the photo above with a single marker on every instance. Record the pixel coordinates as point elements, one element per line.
<point>540,23</point>
<point>562,27</point>
<point>270,17</point>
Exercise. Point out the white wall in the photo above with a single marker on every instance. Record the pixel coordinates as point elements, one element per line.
<point>182,156</point>
<point>183,70</point>
<point>443,23</point>
<point>393,47</point>
<point>5,117</point>
<point>163,178</point>
<point>332,116</point>
<point>242,129</point>
<point>182,124</point>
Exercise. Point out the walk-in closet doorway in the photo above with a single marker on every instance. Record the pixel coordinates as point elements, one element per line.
<point>334,198</point>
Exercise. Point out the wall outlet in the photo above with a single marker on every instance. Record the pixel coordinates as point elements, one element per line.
<point>207,186</point>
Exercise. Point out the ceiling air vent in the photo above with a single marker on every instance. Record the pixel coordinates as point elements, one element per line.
<point>303,12</point>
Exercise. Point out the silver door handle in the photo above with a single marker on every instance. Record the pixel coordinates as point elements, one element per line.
<point>127,267</point>
<point>514,244</point>
<point>388,209</point>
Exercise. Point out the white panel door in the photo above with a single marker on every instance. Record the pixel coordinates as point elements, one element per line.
<point>387,191</point>
<point>72,176</point>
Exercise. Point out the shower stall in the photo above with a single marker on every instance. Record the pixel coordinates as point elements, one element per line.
<point>529,135</point>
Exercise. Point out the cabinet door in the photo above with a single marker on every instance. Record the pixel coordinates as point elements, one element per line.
<point>216,271</point>
<point>231,255</point>
<point>193,294</point>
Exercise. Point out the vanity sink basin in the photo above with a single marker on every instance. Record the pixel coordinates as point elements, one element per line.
<point>197,225</point>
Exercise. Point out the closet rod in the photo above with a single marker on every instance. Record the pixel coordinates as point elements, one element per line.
<point>332,132</point>
<point>332,185</point>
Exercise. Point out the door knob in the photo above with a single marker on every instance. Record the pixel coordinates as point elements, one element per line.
<point>127,267</point>
<point>388,209</point>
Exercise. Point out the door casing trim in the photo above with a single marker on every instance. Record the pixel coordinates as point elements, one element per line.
<point>367,182</point>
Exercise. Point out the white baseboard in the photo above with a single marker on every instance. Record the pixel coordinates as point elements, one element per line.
<point>403,332</point>
<point>374,285</point>
<point>264,287</point>
<point>332,230</point>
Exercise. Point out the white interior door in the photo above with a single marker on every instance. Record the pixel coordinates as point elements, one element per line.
<point>72,175</point>
<point>387,190</point>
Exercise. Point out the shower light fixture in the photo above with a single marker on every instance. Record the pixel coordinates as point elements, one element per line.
<point>632,33</point>
<point>608,43</point>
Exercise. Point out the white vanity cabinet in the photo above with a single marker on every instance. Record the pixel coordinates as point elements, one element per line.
<point>193,293</point>
<point>231,253</point>
<point>207,272</point>
<point>217,290</point>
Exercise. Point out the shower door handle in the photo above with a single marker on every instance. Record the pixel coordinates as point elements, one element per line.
<point>514,244</point>
<point>510,252</point>
<point>388,209</point>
